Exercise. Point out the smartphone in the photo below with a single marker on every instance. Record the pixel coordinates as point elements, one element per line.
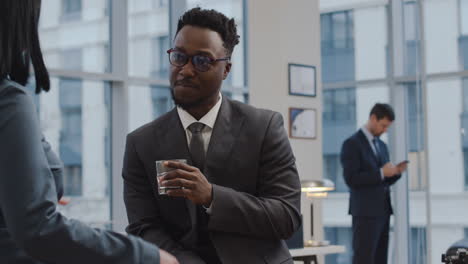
<point>403,161</point>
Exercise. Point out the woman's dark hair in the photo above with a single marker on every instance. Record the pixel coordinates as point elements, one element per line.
<point>383,111</point>
<point>19,43</point>
<point>213,20</point>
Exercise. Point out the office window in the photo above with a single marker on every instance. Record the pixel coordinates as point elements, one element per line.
<point>162,100</point>
<point>339,105</point>
<point>71,10</point>
<point>418,245</point>
<point>411,36</point>
<point>463,47</point>
<point>339,122</point>
<point>463,39</point>
<point>337,44</point>
<point>415,117</point>
<point>148,39</point>
<point>464,129</point>
<point>236,81</point>
<point>340,236</point>
<point>71,135</point>
<point>72,181</point>
<point>74,115</point>
<point>465,164</point>
<point>333,170</point>
<point>161,3</point>
<point>463,15</point>
<point>72,59</point>
<point>90,37</point>
<point>160,57</point>
<point>107,135</point>
<point>412,54</point>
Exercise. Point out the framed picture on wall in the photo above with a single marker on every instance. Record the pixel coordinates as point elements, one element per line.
<point>302,80</point>
<point>302,123</point>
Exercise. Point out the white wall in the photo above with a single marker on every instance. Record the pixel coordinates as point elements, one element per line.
<point>278,36</point>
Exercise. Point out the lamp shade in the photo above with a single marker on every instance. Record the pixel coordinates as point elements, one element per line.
<point>317,186</point>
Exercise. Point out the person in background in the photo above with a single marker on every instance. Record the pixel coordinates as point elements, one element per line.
<point>368,172</point>
<point>31,229</point>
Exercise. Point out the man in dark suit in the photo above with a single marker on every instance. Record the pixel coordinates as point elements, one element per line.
<point>238,197</point>
<point>369,173</point>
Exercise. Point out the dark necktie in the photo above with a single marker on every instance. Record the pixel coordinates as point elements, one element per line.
<point>204,246</point>
<point>377,150</point>
<point>197,148</point>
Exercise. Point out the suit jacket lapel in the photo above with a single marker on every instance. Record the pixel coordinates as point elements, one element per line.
<point>227,127</point>
<point>172,139</point>
<point>367,145</point>
<point>173,145</point>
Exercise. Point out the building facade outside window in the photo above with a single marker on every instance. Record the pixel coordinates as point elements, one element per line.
<point>71,135</point>
<point>337,44</point>
<point>71,10</point>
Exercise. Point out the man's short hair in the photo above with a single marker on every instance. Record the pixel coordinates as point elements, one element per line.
<point>214,20</point>
<point>383,111</point>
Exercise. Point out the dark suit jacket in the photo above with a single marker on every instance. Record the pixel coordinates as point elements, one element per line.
<point>31,229</point>
<point>369,193</point>
<point>256,189</point>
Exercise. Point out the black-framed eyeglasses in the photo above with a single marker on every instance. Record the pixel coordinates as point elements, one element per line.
<point>201,63</point>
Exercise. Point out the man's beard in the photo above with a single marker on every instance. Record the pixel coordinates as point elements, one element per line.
<point>189,105</point>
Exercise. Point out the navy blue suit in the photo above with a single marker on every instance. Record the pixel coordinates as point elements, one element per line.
<point>369,200</point>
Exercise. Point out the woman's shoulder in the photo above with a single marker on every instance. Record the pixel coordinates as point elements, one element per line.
<point>12,94</point>
<point>11,88</point>
<point>15,102</point>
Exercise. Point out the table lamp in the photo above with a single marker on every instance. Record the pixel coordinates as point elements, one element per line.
<point>316,189</point>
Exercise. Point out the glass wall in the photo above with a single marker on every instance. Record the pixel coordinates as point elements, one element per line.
<point>75,114</point>
<point>148,42</point>
<point>236,81</point>
<point>433,79</point>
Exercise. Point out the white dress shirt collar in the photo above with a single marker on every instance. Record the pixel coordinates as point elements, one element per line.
<point>367,133</point>
<point>208,119</point>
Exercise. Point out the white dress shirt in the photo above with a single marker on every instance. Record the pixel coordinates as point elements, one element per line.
<point>208,120</point>
<point>371,137</point>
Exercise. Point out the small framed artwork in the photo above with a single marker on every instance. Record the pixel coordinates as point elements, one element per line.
<point>302,80</point>
<point>302,123</point>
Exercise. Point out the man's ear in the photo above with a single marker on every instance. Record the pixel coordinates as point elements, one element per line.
<point>227,69</point>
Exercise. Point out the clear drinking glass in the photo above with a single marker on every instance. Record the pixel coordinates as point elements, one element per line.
<point>161,170</point>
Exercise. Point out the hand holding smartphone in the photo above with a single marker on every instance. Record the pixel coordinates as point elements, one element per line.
<point>402,162</point>
<point>402,166</point>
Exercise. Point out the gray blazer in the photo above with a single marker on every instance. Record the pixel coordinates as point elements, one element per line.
<point>31,229</point>
<point>256,189</point>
